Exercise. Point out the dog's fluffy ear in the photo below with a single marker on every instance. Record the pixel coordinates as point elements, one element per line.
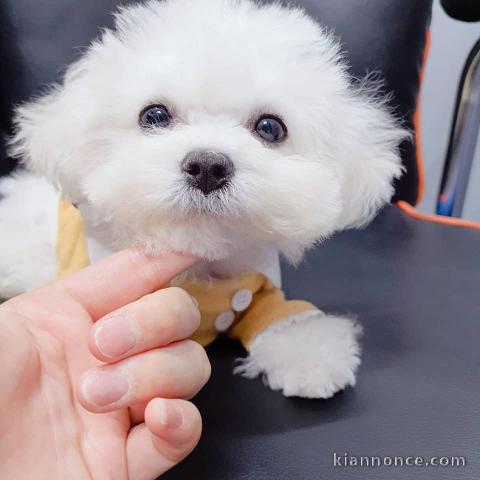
<point>369,150</point>
<point>48,130</point>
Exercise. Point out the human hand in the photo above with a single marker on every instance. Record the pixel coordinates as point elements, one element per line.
<point>94,370</point>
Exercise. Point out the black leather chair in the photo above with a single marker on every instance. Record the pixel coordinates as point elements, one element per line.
<point>413,284</point>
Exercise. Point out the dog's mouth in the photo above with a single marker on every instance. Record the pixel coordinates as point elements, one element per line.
<point>218,203</point>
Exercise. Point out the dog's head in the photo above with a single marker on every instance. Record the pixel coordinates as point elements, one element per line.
<point>207,125</point>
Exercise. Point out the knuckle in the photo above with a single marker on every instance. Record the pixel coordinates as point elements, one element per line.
<point>145,271</point>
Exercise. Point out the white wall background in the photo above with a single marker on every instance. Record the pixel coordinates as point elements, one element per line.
<point>451,43</point>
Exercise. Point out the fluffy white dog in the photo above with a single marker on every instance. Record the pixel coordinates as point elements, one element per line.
<point>223,128</point>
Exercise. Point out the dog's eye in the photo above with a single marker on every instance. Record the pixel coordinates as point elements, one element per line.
<point>155,116</point>
<point>271,129</point>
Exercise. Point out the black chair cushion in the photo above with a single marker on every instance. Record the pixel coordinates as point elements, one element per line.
<point>465,10</point>
<point>39,37</point>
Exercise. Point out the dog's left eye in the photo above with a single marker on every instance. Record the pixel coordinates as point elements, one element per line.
<point>155,116</point>
<point>271,129</point>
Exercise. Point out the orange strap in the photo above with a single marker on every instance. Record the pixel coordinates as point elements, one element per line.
<point>454,222</point>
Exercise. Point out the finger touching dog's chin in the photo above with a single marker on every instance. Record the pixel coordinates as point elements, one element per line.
<point>206,243</point>
<point>220,236</point>
<point>210,250</point>
<point>200,250</point>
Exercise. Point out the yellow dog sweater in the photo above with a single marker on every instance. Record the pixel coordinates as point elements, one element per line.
<point>241,307</point>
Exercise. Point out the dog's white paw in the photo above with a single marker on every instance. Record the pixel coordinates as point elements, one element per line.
<point>311,355</point>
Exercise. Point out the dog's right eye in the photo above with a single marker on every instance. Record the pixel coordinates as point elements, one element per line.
<point>271,129</point>
<point>155,116</point>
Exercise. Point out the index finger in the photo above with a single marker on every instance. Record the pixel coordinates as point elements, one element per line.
<point>123,278</point>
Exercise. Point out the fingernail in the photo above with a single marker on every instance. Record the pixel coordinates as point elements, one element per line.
<point>171,415</point>
<point>115,337</point>
<point>102,388</point>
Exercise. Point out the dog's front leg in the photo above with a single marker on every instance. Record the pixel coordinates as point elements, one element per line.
<point>308,354</point>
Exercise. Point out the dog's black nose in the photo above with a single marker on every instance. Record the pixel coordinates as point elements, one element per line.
<point>208,171</point>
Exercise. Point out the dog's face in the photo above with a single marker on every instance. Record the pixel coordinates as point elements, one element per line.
<point>208,125</point>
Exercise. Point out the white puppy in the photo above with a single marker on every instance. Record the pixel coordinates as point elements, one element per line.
<point>217,127</point>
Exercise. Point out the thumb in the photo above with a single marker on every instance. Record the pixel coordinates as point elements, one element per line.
<point>171,431</point>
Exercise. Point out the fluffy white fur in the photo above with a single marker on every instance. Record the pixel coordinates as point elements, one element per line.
<point>311,355</point>
<point>28,227</point>
<point>218,65</point>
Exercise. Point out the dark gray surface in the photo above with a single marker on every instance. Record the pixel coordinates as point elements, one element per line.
<point>415,288</point>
